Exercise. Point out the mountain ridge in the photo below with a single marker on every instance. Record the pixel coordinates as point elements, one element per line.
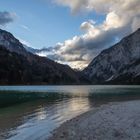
<point>11,43</point>
<point>110,63</point>
<point>30,68</point>
<point>119,64</point>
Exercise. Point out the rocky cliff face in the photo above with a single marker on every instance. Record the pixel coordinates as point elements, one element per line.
<point>18,66</point>
<point>119,64</point>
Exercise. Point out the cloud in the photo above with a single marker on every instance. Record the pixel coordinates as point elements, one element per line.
<point>122,17</point>
<point>24,42</point>
<point>6,17</point>
<point>75,5</point>
<point>25,27</point>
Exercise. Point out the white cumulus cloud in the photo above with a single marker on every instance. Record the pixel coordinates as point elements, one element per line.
<point>122,17</point>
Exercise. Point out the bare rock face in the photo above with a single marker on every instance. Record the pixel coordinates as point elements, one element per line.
<point>119,64</point>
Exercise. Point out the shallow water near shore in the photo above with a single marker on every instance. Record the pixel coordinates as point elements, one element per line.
<point>33,112</point>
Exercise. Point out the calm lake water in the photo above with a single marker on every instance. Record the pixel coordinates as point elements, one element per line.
<point>33,112</point>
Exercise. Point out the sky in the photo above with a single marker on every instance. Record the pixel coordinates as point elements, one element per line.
<point>75,31</point>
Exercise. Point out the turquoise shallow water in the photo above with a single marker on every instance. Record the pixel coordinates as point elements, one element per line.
<point>32,112</point>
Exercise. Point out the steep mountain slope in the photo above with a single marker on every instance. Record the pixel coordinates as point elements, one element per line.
<point>17,66</point>
<point>119,64</point>
<point>11,43</point>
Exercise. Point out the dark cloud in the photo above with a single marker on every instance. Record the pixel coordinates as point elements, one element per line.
<point>6,17</point>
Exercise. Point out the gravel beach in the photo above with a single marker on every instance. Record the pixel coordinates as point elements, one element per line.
<point>115,121</point>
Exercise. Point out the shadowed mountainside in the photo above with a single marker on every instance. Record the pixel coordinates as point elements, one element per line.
<point>18,66</point>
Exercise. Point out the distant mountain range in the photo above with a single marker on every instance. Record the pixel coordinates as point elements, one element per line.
<point>19,64</point>
<point>43,51</point>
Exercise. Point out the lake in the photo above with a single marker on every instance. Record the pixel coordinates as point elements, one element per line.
<point>33,112</point>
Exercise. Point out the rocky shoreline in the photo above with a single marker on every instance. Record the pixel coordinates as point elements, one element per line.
<point>108,122</point>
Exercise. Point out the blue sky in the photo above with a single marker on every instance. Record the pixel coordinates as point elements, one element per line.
<point>43,23</point>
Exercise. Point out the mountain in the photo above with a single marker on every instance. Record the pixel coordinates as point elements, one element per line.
<point>119,64</point>
<point>41,52</point>
<point>30,49</point>
<point>18,66</point>
<point>11,43</point>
